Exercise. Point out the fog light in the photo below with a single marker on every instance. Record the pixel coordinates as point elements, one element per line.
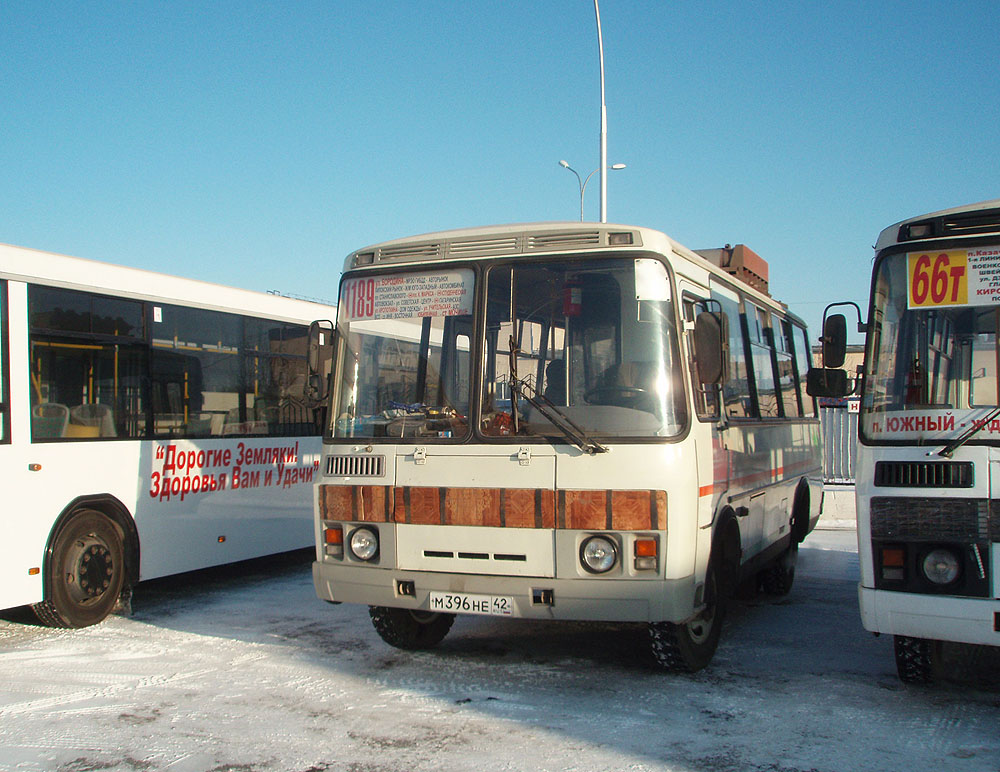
<point>364,543</point>
<point>598,554</point>
<point>941,566</point>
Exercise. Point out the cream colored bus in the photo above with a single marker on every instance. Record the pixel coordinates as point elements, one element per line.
<point>563,421</point>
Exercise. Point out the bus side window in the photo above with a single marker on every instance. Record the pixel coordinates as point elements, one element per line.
<point>802,364</point>
<point>706,397</point>
<point>761,349</point>
<point>88,362</point>
<point>784,367</point>
<point>736,398</point>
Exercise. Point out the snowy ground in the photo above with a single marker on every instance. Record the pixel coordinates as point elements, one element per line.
<point>247,671</point>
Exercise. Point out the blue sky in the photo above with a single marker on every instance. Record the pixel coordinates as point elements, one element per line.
<point>257,143</point>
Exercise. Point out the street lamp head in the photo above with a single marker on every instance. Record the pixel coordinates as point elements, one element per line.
<point>617,166</point>
<point>564,164</point>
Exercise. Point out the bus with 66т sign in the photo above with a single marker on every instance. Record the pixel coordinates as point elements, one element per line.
<point>563,421</point>
<point>149,425</point>
<point>928,463</point>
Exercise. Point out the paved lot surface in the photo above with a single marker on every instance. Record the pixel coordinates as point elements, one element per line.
<point>244,670</point>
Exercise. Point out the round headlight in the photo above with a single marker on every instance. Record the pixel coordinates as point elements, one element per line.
<point>941,566</point>
<point>598,554</point>
<point>364,543</point>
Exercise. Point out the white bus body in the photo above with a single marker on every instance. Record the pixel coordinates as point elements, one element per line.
<point>928,469</point>
<point>149,425</point>
<point>588,475</point>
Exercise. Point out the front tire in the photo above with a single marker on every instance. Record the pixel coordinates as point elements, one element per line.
<point>914,659</point>
<point>85,574</point>
<point>690,646</point>
<point>408,629</point>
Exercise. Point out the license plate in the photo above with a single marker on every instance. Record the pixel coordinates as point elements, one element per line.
<point>463,603</point>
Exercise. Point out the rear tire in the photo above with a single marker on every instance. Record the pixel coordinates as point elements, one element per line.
<point>915,659</point>
<point>690,646</point>
<point>85,574</point>
<point>408,629</point>
<point>778,577</point>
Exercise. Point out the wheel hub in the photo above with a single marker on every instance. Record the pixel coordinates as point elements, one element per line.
<point>92,572</point>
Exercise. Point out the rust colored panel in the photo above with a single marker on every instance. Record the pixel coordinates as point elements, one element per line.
<point>659,510</point>
<point>631,510</point>
<point>372,503</point>
<point>547,506</point>
<point>637,510</point>
<point>585,510</point>
<point>529,508</point>
<point>422,505</point>
<point>472,506</point>
<point>336,502</point>
<point>519,508</point>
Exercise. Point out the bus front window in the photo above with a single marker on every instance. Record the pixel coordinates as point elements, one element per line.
<point>404,370</point>
<point>595,340</point>
<point>933,370</point>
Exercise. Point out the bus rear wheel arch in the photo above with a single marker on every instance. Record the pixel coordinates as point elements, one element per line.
<point>89,568</point>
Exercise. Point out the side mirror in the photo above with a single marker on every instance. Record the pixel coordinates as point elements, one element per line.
<point>710,347</point>
<point>319,353</point>
<point>834,341</point>
<point>822,382</point>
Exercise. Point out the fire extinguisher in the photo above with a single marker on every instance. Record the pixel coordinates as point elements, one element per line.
<point>572,298</point>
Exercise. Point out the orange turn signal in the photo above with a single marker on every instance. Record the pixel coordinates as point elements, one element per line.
<point>894,557</point>
<point>645,548</point>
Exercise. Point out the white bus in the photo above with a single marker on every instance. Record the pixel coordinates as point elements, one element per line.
<point>149,425</point>
<point>928,465</point>
<point>562,421</point>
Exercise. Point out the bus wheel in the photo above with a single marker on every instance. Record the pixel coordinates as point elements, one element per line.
<point>86,572</point>
<point>777,578</point>
<point>408,629</point>
<point>690,646</point>
<point>914,659</point>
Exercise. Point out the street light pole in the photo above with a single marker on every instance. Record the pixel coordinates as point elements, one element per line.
<point>604,122</point>
<point>583,182</point>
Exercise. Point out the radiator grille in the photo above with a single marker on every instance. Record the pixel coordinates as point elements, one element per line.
<point>916,519</point>
<point>924,474</point>
<point>355,466</point>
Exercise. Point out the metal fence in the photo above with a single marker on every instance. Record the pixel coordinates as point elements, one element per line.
<point>839,423</point>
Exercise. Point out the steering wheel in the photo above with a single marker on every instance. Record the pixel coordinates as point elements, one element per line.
<point>622,396</point>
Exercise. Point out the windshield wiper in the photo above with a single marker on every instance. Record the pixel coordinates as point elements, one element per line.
<point>545,406</point>
<point>968,434</point>
<point>557,418</point>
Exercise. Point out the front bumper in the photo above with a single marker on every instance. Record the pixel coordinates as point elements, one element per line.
<point>935,617</point>
<point>591,599</point>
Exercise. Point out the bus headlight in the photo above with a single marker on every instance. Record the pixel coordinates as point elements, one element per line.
<point>598,554</point>
<point>941,566</point>
<point>364,543</point>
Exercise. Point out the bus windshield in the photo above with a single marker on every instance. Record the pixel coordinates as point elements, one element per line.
<point>933,362</point>
<point>591,340</point>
